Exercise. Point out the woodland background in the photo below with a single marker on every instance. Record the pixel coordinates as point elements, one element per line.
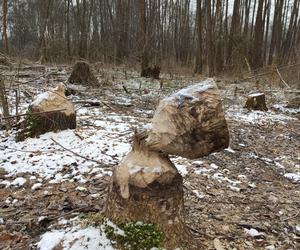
<point>209,36</point>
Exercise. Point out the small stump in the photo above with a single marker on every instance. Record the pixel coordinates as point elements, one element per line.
<point>50,111</point>
<point>256,101</point>
<point>82,74</point>
<point>151,72</point>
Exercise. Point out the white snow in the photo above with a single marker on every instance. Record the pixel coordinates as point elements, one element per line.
<point>36,186</point>
<point>198,194</point>
<point>81,189</point>
<point>292,176</point>
<point>182,169</point>
<point>1,221</point>
<point>230,150</point>
<point>252,232</point>
<point>46,159</point>
<point>75,239</point>
<point>41,97</point>
<point>282,108</point>
<point>257,117</point>
<point>191,91</point>
<point>256,94</point>
<point>20,181</point>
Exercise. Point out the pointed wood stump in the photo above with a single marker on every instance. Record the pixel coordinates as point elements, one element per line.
<point>50,111</point>
<point>158,203</point>
<point>146,185</point>
<point>256,101</point>
<point>83,74</point>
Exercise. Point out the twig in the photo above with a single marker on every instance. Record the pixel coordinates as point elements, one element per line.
<point>281,78</point>
<point>292,217</point>
<point>81,156</point>
<point>270,72</point>
<point>37,113</point>
<point>125,89</point>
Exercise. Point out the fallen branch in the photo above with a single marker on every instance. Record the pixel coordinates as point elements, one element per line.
<point>90,103</point>
<point>37,113</point>
<point>74,153</point>
<point>281,78</point>
<point>270,72</point>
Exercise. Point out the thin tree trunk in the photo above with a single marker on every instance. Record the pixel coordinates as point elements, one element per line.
<point>4,19</point>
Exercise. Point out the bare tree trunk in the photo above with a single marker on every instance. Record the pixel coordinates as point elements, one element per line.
<point>68,28</point>
<point>210,47</point>
<point>258,37</point>
<point>43,42</point>
<point>3,98</point>
<point>144,38</point>
<point>198,62</point>
<point>4,19</point>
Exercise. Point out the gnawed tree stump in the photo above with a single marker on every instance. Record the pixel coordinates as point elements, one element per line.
<point>83,74</point>
<point>190,123</point>
<point>151,72</point>
<point>256,101</point>
<point>146,186</point>
<point>50,111</point>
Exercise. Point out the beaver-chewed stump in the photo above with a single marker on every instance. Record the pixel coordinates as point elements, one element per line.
<point>151,72</point>
<point>50,111</point>
<point>146,185</point>
<point>83,74</point>
<point>256,101</point>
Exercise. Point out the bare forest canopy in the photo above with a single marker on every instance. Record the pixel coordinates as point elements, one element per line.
<point>211,36</point>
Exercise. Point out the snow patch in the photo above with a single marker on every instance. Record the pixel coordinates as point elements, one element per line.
<point>75,239</point>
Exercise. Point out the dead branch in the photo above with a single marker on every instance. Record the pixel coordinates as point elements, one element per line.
<point>37,113</point>
<point>281,78</point>
<point>74,153</point>
<point>270,72</point>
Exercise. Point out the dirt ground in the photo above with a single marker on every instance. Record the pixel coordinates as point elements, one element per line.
<point>245,197</point>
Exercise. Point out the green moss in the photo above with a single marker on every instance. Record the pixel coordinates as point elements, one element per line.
<point>136,236</point>
<point>128,236</point>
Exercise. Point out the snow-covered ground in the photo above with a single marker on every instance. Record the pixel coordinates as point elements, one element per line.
<point>102,138</point>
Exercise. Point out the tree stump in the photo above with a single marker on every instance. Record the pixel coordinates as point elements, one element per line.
<point>256,101</point>
<point>146,185</point>
<point>82,74</point>
<point>50,111</point>
<point>151,72</point>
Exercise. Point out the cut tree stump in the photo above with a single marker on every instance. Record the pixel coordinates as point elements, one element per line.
<point>83,74</point>
<point>190,123</point>
<point>50,111</point>
<point>151,72</point>
<point>146,185</point>
<point>256,101</point>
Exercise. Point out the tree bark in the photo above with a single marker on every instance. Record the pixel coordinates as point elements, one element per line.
<point>4,19</point>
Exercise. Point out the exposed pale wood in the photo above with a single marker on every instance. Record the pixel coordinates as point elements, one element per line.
<point>256,101</point>
<point>50,111</point>
<point>190,123</point>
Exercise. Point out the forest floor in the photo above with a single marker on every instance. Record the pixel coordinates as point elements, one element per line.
<point>244,197</point>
